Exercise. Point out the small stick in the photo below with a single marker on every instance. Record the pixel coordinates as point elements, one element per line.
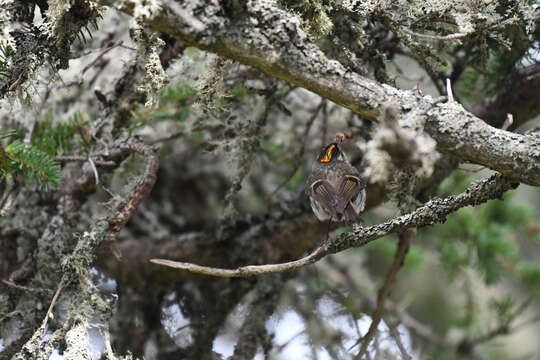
<point>94,169</point>
<point>436,37</point>
<point>53,301</point>
<point>449,91</point>
<point>508,122</point>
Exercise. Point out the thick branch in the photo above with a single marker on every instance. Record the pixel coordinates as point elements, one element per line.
<point>435,211</point>
<point>265,37</point>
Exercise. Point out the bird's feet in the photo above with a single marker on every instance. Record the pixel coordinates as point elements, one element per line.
<point>357,227</point>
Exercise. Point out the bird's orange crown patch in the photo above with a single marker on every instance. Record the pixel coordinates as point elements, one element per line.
<point>328,155</point>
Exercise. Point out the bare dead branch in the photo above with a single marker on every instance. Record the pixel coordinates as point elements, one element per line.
<point>300,154</point>
<point>384,292</point>
<point>449,92</point>
<point>403,317</point>
<point>245,271</point>
<point>146,181</point>
<point>10,194</point>
<point>518,98</point>
<point>51,306</point>
<point>77,158</point>
<point>434,211</point>
<point>418,328</point>
<point>504,328</point>
<point>508,122</point>
<point>172,136</point>
<point>435,37</point>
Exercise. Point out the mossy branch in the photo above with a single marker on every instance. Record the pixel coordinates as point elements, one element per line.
<point>434,211</point>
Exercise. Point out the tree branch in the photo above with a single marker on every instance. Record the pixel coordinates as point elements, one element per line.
<point>384,292</point>
<point>434,211</point>
<point>270,39</point>
<point>245,271</point>
<point>144,184</point>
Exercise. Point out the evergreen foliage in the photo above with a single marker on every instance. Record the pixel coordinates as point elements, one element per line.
<point>50,138</point>
<point>486,238</point>
<point>55,138</point>
<point>5,53</point>
<point>29,161</point>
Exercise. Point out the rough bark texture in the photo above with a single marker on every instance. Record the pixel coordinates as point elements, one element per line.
<point>268,39</point>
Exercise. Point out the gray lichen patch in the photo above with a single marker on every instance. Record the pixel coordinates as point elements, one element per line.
<point>77,342</point>
<point>399,156</point>
<point>149,45</point>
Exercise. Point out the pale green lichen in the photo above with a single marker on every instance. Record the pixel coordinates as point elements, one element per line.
<point>78,342</point>
<point>145,9</point>
<point>400,157</point>
<point>6,7</point>
<point>315,14</point>
<point>56,11</point>
<point>155,78</point>
<point>211,87</point>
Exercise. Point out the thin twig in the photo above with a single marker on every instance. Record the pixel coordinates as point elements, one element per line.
<point>9,197</point>
<point>449,92</point>
<point>419,329</point>
<point>436,37</point>
<point>77,158</point>
<point>172,136</point>
<point>302,150</point>
<point>12,285</point>
<point>503,328</point>
<point>434,211</point>
<point>508,122</point>
<point>384,292</point>
<point>94,170</point>
<point>245,271</point>
<point>396,335</point>
<point>51,306</point>
<point>146,181</point>
<point>101,49</point>
<point>101,54</point>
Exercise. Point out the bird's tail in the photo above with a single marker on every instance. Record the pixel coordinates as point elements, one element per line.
<point>349,215</point>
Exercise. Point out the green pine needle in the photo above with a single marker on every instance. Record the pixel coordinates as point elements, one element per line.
<point>33,163</point>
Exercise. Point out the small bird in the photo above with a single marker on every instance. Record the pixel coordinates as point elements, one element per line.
<point>335,187</point>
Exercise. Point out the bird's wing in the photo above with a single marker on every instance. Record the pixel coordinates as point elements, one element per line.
<point>348,190</point>
<point>325,194</point>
